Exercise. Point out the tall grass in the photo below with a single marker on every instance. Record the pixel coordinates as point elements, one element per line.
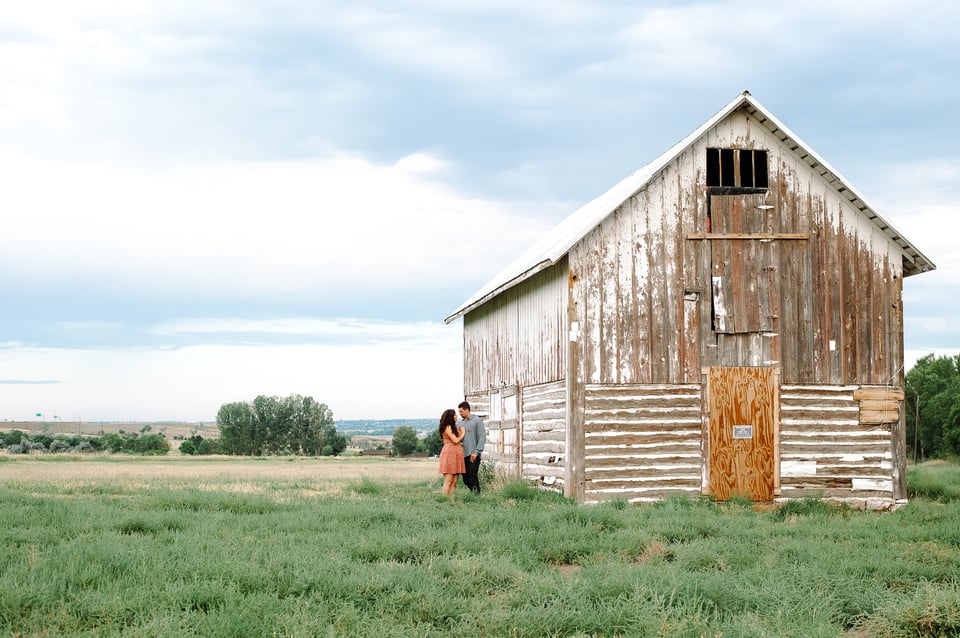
<point>387,558</point>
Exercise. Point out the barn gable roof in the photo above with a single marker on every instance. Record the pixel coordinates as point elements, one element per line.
<point>557,243</point>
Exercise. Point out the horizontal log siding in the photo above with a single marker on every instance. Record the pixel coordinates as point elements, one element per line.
<point>824,449</point>
<point>642,441</point>
<point>544,433</point>
<point>519,336</point>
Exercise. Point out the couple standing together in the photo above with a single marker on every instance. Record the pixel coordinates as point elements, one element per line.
<point>462,444</point>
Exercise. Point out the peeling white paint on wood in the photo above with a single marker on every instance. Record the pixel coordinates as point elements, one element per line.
<point>798,468</point>
<point>878,485</point>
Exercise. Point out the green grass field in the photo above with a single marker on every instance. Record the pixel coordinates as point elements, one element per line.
<point>287,547</point>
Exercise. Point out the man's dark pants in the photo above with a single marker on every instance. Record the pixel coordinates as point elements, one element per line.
<point>471,478</point>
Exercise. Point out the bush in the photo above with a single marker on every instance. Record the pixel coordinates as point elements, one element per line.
<point>327,450</point>
<point>14,437</point>
<point>59,446</point>
<point>207,446</point>
<point>132,443</point>
<point>433,443</point>
<point>187,447</point>
<point>404,440</point>
<point>83,446</point>
<point>519,490</point>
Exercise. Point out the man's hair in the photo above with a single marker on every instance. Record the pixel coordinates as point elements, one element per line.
<point>464,405</point>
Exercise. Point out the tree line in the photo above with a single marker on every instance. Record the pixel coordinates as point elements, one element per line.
<point>273,425</point>
<point>932,404</point>
<point>18,442</point>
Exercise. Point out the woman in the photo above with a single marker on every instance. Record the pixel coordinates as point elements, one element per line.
<point>452,464</point>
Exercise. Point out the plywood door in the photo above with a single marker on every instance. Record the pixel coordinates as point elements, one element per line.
<point>742,430</point>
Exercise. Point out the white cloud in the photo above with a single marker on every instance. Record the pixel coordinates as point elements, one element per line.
<point>288,227</point>
<point>421,163</point>
<point>410,334</point>
<point>911,355</point>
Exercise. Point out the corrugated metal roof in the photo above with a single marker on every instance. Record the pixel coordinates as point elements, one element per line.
<point>553,246</point>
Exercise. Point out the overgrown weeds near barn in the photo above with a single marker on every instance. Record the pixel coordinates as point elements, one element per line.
<point>935,480</point>
<point>385,557</point>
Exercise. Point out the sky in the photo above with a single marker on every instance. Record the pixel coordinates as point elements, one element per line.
<point>205,202</point>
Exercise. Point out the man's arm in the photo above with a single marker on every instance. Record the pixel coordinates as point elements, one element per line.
<point>481,435</point>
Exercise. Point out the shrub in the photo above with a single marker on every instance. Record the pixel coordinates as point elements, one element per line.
<point>433,444</point>
<point>206,446</point>
<point>404,440</point>
<point>519,490</point>
<point>41,441</point>
<point>13,437</point>
<point>806,507</point>
<point>59,446</point>
<point>83,446</point>
<point>187,447</point>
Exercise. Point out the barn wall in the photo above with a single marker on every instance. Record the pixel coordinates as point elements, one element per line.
<point>838,311</point>
<point>643,286</point>
<point>825,448</point>
<point>544,433</point>
<point>518,337</point>
<point>637,325</point>
<point>640,288</point>
<point>642,441</point>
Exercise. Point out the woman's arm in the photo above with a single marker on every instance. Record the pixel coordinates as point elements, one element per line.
<point>455,437</point>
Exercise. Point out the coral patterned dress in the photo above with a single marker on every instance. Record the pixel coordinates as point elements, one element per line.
<point>451,457</point>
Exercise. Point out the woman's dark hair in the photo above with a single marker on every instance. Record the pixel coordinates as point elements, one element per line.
<point>447,418</point>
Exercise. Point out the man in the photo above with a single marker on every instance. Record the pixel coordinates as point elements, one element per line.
<point>474,439</point>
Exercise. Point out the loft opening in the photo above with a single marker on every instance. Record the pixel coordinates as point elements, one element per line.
<point>734,171</point>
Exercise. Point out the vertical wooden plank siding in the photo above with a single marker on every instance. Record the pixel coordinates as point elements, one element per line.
<point>625,307</point>
<point>898,433</point>
<point>642,441</point>
<point>518,337</point>
<point>643,328</point>
<point>662,346</point>
<point>673,244</point>
<point>631,286</point>
<point>502,430</point>
<point>636,314</point>
<point>573,476</point>
<point>824,449</point>
<point>610,298</point>
<point>544,433</point>
<point>691,206</point>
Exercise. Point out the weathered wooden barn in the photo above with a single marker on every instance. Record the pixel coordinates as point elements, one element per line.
<point>725,321</point>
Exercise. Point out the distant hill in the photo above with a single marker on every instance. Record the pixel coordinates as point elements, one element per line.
<point>382,427</point>
<point>171,429</point>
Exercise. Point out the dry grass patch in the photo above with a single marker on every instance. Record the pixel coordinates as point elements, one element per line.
<point>654,551</point>
<point>196,471</point>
